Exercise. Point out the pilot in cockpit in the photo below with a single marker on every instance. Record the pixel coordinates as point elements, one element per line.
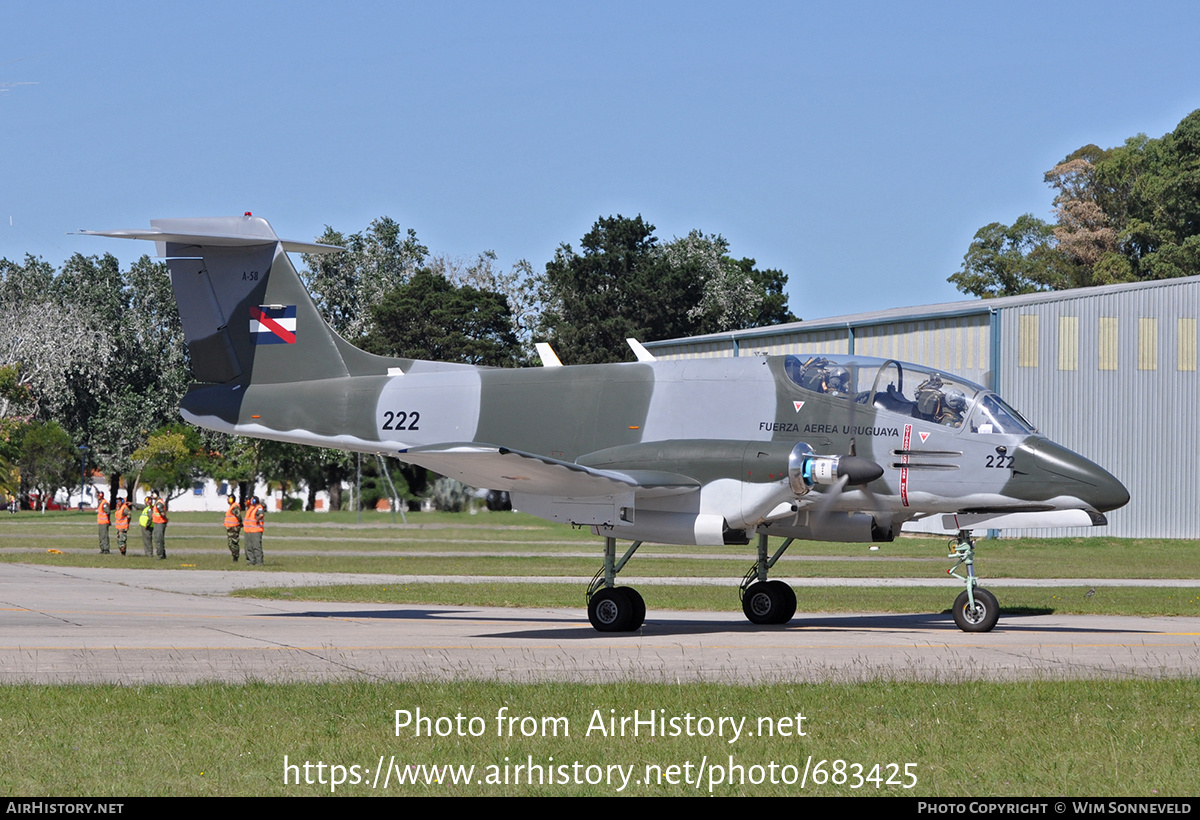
<point>942,407</point>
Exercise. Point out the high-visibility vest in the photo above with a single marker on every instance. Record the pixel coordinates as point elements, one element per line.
<point>158,511</point>
<point>144,518</point>
<point>231,517</point>
<point>254,518</point>
<point>122,515</point>
<point>102,512</point>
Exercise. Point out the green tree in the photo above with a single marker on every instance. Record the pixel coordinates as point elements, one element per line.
<point>345,285</point>
<point>734,293</point>
<point>1122,214</point>
<point>520,286</point>
<point>48,459</point>
<point>172,460</point>
<point>624,284</point>
<point>618,287</point>
<point>429,318</point>
<point>1005,260</point>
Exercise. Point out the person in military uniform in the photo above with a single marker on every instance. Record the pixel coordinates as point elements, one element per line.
<point>255,514</point>
<point>935,404</point>
<point>103,522</point>
<point>820,375</point>
<point>121,517</point>
<point>233,527</point>
<point>953,408</point>
<point>146,521</point>
<point>158,514</point>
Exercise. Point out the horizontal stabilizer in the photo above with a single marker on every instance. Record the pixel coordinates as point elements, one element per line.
<point>218,232</point>
<point>499,468</point>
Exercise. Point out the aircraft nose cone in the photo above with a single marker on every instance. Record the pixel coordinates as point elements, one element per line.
<point>1089,481</point>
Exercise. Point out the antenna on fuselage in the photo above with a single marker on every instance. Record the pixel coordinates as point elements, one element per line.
<point>643,355</point>
<point>547,355</point>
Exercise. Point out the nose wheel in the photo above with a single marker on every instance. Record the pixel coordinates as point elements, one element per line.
<point>975,609</point>
<point>978,615</point>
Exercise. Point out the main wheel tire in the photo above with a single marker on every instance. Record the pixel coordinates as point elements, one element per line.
<point>611,610</point>
<point>981,617</point>
<point>639,608</point>
<point>772,602</point>
<point>787,601</point>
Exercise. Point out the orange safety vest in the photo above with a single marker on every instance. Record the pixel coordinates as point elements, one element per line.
<point>102,513</point>
<point>254,518</point>
<point>231,518</point>
<point>158,511</point>
<point>122,515</point>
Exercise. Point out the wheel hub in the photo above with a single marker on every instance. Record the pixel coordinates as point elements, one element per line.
<point>607,612</point>
<point>760,602</point>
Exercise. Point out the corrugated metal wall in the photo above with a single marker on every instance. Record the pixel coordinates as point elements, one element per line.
<point>1113,377</point>
<point>960,345</point>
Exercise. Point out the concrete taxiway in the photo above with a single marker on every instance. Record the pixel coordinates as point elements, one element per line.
<point>65,624</point>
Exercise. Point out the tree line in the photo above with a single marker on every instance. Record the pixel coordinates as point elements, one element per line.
<point>93,356</point>
<point>1124,214</point>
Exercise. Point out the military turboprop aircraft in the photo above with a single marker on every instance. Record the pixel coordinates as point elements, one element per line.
<point>700,451</point>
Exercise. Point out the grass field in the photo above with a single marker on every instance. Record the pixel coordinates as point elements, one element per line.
<point>971,739</point>
<point>504,545</point>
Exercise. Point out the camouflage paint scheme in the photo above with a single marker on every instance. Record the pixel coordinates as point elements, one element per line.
<point>701,451</point>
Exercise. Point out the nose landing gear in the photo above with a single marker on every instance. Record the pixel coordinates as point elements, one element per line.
<point>975,609</point>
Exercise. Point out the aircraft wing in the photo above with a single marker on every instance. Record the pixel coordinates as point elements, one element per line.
<point>500,468</point>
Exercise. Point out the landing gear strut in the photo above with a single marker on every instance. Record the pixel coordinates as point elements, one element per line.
<point>763,601</point>
<point>612,608</point>
<point>975,609</point>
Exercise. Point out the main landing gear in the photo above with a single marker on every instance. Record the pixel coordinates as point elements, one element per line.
<point>621,609</point>
<point>975,609</point>
<point>612,608</point>
<point>763,601</point>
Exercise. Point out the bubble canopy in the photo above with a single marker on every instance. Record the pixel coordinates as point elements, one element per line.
<point>911,390</point>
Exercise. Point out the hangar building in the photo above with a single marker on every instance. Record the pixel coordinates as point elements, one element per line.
<point>1109,372</point>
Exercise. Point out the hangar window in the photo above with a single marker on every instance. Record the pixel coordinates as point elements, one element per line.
<point>1185,355</point>
<point>1147,343</point>
<point>1106,343</point>
<point>1068,342</point>
<point>1027,340</point>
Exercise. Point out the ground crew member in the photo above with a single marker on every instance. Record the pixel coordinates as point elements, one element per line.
<point>233,527</point>
<point>121,518</point>
<point>158,514</point>
<point>147,525</point>
<point>102,520</point>
<point>255,514</point>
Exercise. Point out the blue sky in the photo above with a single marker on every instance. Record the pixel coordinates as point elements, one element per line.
<point>856,146</point>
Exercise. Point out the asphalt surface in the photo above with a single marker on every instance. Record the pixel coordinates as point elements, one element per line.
<point>137,626</point>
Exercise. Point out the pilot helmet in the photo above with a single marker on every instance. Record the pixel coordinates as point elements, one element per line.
<point>839,379</point>
<point>955,400</point>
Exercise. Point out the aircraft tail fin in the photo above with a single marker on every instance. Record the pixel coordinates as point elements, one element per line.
<point>246,315</point>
